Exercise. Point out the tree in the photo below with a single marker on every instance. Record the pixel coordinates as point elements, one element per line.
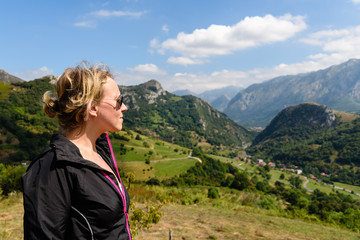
<point>241,181</point>
<point>130,177</point>
<point>295,182</point>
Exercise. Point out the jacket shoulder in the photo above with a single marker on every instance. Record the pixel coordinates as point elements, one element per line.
<point>47,153</point>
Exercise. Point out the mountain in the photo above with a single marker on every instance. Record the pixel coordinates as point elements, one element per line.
<point>8,78</point>
<point>316,139</point>
<point>221,103</point>
<point>218,98</point>
<point>184,92</point>
<point>337,87</point>
<point>212,95</point>
<point>310,116</point>
<point>183,120</point>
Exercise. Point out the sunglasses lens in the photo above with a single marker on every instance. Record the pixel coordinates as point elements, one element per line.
<point>120,101</point>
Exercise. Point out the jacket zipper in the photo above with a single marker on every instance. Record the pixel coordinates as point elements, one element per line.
<point>123,197</point>
<point>92,234</point>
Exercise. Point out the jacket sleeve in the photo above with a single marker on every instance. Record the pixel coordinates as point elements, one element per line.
<point>47,199</point>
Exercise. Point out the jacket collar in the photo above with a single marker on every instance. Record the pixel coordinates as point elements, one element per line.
<point>68,151</point>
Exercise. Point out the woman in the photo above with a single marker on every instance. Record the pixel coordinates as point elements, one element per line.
<point>73,189</point>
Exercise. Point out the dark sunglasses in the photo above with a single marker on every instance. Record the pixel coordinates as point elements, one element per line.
<point>120,100</point>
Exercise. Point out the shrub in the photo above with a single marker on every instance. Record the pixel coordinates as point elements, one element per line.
<point>10,179</point>
<point>268,202</point>
<point>213,193</point>
<point>153,181</point>
<point>146,144</point>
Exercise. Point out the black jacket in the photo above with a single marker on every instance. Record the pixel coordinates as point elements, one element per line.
<point>68,197</point>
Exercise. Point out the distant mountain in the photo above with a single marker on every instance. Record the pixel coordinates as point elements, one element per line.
<point>216,97</point>
<point>183,120</point>
<point>221,103</point>
<point>212,95</point>
<point>184,92</point>
<point>8,78</point>
<point>337,87</point>
<point>314,138</point>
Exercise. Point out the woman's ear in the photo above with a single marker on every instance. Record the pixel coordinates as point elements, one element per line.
<point>93,111</point>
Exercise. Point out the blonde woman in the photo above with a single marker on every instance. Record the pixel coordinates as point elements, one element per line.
<point>73,189</point>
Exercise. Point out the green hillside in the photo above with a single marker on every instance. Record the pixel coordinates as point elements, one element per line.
<point>24,128</point>
<point>315,139</point>
<point>148,157</point>
<point>185,120</point>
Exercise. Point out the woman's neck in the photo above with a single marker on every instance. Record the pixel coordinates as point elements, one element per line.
<point>84,140</point>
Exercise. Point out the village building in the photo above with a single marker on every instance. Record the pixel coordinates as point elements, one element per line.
<point>272,165</point>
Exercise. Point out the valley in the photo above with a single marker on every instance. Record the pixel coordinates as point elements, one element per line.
<point>210,177</point>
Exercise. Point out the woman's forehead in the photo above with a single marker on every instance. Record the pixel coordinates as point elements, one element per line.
<point>110,88</point>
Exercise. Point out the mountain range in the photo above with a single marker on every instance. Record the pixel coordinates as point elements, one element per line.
<point>337,87</point>
<point>218,98</point>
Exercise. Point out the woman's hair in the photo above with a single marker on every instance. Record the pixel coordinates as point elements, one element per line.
<point>75,92</point>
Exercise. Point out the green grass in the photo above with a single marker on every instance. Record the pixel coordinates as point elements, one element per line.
<point>136,155</point>
<point>169,169</point>
<point>356,189</point>
<point>137,152</point>
<point>160,170</point>
<point>321,186</point>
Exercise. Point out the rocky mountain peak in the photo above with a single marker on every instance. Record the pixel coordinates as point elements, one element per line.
<point>153,86</point>
<point>8,78</point>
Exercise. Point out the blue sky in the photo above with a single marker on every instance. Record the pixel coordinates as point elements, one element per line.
<point>187,44</point>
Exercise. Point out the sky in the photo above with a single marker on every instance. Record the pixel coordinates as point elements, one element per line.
<point>195,45</point>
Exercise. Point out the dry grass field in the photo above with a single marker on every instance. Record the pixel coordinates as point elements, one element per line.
<point>203,221</point>
<point>208,222</point>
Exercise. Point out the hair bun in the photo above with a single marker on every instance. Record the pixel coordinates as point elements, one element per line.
<point>55,106</point>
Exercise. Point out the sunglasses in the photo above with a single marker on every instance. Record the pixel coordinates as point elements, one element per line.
<point>119,101</point>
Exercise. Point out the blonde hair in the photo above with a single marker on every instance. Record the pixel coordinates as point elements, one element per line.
<point>75,92</point>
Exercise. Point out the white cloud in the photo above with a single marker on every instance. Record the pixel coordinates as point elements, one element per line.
<point>85,24</point>
<point>165,28</point>
<point>154,43</point>
<point>147,68</point>
<point>34,73</point>
<point>221,40</point>
<point>184,61</point>
<point>337,45</point>
<point>91,18</point>
<point>355,1</point>
<point>107,13</point>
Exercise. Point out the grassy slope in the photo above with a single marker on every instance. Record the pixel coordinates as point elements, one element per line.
<point>166,159</point>
<point>217,218</point>
<point>202,222</point>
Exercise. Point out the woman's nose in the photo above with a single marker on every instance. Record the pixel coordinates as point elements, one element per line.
<point>123,108</point>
